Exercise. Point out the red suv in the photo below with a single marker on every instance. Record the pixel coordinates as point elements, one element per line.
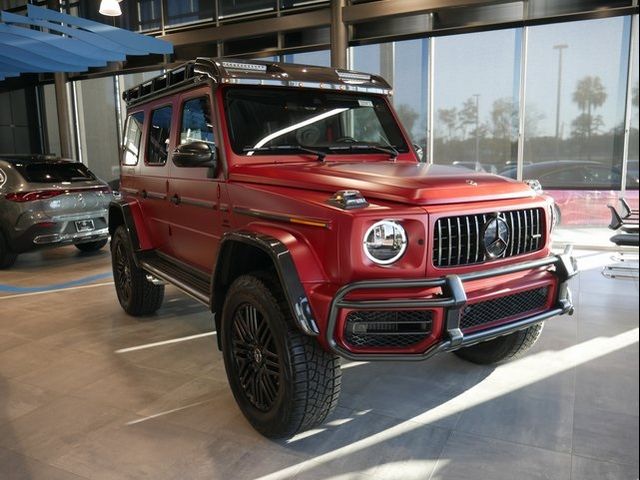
<point>290,201</point>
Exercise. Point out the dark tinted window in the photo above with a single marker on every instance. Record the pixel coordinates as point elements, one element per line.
<point>196,121</point>
<point>55,172</point>
<point>158,143</point>
<point>133,134</point>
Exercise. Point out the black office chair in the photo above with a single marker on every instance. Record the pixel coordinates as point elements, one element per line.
<point>628,225</point>
<point>627,211</point>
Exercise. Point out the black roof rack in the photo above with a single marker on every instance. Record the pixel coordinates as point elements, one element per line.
<point>233,71</point>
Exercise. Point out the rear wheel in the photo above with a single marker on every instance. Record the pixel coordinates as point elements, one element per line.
<point>136,294</point>
<point>502,349</point>
<point>7,257</point>
<point>91,246</point>
<point>282,380</point>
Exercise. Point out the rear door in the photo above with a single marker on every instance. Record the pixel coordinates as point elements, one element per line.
<point>194,192</point>
<point>153,180</point>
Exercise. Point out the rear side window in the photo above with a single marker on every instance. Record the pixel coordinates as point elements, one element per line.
<point>132,136</point>
<point>55,172</point>
<point>196,121</point>
<point>158,143</point>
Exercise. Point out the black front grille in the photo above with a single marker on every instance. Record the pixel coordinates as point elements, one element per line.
<point>503,307</point>
<point>458,240</point>
<point>370,328</point>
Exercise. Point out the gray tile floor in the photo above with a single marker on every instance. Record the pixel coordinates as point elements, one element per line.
<point>79,400</point>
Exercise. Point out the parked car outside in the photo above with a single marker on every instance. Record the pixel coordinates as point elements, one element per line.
<point>582,189</point>
<point>46,201</point>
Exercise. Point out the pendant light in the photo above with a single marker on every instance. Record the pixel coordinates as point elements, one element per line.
<point>110,8</point>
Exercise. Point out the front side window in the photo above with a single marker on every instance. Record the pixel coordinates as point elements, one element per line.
<point>264,121</point>
<point>158,143</point>
<point>196,122</point>
<point>133,134</point>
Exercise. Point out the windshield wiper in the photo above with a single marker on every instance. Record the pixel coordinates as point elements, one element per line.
<point>275,148</point>
<point>367,146</point>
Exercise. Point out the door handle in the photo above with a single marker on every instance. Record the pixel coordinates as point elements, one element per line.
<point>175,199</point>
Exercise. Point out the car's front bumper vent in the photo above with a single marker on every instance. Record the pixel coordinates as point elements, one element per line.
<point>387,329</point>
<point>510,306</point>
<point>459,240</point>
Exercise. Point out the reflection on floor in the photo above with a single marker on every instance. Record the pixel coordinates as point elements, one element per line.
<point>88,392</point>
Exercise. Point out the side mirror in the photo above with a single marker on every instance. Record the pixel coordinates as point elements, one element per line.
<point>195,154</point>
<point>419,152</point>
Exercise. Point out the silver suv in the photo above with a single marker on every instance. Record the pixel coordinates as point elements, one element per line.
<point>47,201</point>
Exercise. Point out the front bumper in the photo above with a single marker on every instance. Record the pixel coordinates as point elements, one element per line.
<point>453,301</point>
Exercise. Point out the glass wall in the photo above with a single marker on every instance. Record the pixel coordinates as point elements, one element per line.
<point>575,111</point>
<point>321,58</point>
<point>574,102</point>
<point>405,66</point>
<point>180,12</point>
<point>476,85</point>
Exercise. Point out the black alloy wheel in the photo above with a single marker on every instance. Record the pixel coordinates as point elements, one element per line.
<point>137,295</point>
<point>282,380</point>
<point>256,358</point>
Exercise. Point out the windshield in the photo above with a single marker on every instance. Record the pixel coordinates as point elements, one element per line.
<point>272,120</point>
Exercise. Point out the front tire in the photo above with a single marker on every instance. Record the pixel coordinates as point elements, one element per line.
<point>282,380</point>
<point>7,257</point>
<point>502,349</point>
<point>88,247</point>
<point>136,294</point>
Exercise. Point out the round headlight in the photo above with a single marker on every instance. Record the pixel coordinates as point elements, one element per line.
<point>385,242</point>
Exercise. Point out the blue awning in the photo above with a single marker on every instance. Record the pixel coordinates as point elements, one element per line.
<point>50,41</point>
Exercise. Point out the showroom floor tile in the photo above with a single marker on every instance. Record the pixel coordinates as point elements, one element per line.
<point>87,392</point>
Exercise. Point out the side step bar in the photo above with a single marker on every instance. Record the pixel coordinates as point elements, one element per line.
<point>194,283</point>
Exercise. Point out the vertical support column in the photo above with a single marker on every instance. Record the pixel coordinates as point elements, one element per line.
<point>430,100</point>
<point>62,106</point>
<point>387,60</point>
<point>338,35</point>
<point>633,42</point>
<point>522,114</point>
<point>62,102</point>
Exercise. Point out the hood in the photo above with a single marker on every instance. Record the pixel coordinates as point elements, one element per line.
<point>404,182</point>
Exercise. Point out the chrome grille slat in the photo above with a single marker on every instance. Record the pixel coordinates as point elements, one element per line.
<point>449,238</point>
<point>468,239</point>
<point>439,247</point>
<point>511,239</point>
<point>458,240</point>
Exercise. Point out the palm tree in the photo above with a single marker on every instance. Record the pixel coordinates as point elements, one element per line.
<point>589,95</point>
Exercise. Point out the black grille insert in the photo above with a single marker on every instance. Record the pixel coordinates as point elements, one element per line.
<point>390,329</point>
<point>503,307</point>
<point>458,240</point>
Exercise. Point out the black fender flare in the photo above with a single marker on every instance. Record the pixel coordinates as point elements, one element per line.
<point>124,212</point>
<point>285,268</point>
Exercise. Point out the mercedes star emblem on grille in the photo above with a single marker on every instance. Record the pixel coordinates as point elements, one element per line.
<point>495,236</point>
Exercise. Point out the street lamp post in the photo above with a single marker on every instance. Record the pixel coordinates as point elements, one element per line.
<point>560,48</point>
<point>477,97</point>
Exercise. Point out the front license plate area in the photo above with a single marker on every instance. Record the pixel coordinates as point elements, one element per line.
<point>84,225</point>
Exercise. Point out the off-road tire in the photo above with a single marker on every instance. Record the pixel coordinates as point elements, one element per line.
<point>7,257</point>
<point>88,247</point>
<point>304,380</point>
<point>136,294</point>
<point>502,349</point>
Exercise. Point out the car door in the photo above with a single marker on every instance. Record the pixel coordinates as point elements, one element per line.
<point>194,192</point>
<point>154,174</point>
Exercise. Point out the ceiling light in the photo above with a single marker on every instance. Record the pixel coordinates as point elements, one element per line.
<point>110,8</point>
